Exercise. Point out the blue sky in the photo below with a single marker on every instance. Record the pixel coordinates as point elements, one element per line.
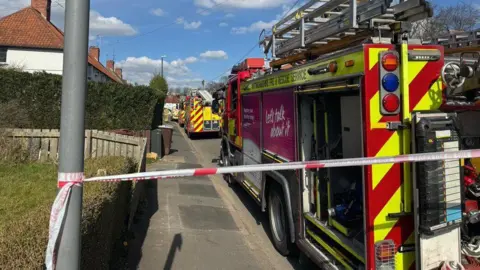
<point>202,39</point>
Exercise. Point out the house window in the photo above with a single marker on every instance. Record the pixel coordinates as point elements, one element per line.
<point>3,55</point>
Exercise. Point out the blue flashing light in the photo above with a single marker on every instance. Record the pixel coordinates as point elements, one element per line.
<point>390,82</point>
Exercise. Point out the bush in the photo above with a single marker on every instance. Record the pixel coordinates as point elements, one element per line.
<point>27,192</point>
<point>33,101</point>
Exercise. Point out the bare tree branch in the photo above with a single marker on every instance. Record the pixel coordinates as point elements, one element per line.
<point>447,19</point>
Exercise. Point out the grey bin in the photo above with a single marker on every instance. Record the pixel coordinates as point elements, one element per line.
<point>156,142</point>
<point>167,133</point>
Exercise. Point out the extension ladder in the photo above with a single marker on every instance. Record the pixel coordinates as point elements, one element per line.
<point>319,22</point>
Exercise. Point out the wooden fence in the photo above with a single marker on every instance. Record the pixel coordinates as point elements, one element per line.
<point>42,144</point>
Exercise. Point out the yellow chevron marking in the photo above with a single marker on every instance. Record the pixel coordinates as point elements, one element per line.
<point>197,119</point>
<point>375,115</point>
<point>406,259</point>
<point>197,116</point>
<point>198,123</point>
<point>373,56</point>
<point>383,225</point>
<point>199,128</point>
<point>390,148</point>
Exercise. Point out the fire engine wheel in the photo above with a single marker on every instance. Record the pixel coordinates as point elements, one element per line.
<point>277,216</point>
<point>228,178</point>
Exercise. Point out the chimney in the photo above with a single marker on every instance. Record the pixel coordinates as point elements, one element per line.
<point>43,6</point>
<point>94,52</point>
<point>110,64</point>
<point>118,71</point>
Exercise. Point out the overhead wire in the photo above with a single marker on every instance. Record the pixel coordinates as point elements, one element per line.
<point>256,43</point>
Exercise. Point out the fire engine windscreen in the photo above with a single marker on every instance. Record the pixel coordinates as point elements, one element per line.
<point>331,128</point>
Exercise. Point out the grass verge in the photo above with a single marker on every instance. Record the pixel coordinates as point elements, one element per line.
<point>27,192</point>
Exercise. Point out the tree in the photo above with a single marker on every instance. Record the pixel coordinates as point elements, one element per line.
<point>446,19</point>
<point>160,84</point>
<point>215,85</point>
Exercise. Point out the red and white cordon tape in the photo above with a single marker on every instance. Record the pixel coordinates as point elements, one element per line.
<point>67,181</point>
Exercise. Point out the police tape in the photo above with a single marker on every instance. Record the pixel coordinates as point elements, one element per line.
<point>66,181</point>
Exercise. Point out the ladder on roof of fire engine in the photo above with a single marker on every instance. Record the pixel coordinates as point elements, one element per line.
<point>206,96</point>
<point>458,42</point>
<point>319,22</point>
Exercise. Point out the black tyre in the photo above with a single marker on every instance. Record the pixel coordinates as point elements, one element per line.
<point>228,177</point>
<point>277,216</point>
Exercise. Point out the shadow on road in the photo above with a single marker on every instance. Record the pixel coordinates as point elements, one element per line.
<point>176,245</point>
<point>204,136</point>
<point>172,151</point>
<point>141,223</point>
<point>261,218</point>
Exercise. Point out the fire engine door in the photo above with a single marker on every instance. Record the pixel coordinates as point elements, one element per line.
<point>313,140</point>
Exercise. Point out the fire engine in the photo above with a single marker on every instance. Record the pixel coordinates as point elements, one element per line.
<point>199,117</point>
<point>181,114</point>
<point>345,81</point>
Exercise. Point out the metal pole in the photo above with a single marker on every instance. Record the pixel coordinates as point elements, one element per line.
<point>72,124</point>
<point>162,57</point>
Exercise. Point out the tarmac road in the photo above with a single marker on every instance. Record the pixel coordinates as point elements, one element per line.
<point>247,213</point>
<point>200,222</point>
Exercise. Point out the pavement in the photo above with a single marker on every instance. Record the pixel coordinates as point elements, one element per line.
<point>199,222</point>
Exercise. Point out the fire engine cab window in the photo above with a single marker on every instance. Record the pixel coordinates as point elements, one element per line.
<point>234,95</point>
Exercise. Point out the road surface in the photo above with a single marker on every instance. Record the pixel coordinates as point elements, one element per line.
<point>200,222</point>
<point>247,213</point>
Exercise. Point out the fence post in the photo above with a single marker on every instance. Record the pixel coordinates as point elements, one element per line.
<point>88,144</point>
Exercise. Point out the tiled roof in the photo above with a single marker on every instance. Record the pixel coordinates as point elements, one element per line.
<point>111,74</point>
<point>172,99</point>
<point>27,28</point>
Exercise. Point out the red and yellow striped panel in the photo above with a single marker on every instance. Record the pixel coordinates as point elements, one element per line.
<point>388,186</point>
<point>197,118</point>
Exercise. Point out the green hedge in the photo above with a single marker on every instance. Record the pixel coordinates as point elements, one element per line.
<point>32,100</point>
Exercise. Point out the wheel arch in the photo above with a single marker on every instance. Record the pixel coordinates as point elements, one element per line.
<point>277,178</point>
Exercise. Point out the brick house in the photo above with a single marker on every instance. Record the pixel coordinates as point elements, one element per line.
<point>31,42</point>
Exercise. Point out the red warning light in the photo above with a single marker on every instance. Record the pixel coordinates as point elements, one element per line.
<point>390,103</point>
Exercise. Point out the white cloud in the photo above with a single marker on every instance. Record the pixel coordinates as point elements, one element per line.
<point>247,4</point>
<point>191,59</point>
<point>229,15</point>
<point>157,12</point>
<point>188,25</point>
<point>214,55</point>
<point>109,26</point>
<point>10,6</point>
<point>192,25</point>
<point>174,82</point>
<point>141,69</point>
<point>254,27</point>
<point>203,11</point>
<point>223,24</point>
<point>287,10</point>
<point>99,25</point>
